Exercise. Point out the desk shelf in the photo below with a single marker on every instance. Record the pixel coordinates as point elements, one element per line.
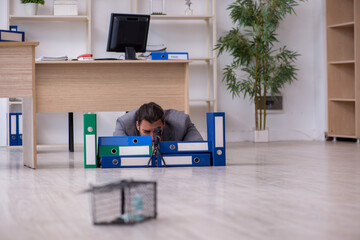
<point>181,17</point>
<point>112,61</point>
<point>15,16</point>
<point>48,18</point>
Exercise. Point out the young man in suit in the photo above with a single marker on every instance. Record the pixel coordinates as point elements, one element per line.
<point>175,125</point>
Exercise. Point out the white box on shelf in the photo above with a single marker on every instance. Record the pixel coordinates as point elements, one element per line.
<point>65,8</point>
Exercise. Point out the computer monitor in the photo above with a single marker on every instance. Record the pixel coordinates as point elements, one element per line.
<point>128,33</point>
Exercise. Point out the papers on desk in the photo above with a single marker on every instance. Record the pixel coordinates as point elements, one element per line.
<point>144,56</point>
<point>156,48</point>
<point>62,58</point>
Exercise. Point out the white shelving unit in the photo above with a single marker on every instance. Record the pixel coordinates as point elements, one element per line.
<point>210,59</point>
<point>15,18</point>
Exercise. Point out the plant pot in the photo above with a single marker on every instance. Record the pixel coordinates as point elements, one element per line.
<point>261,136</point>
<point>31,8</point>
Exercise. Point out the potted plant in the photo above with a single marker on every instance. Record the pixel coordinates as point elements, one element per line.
<point>251,44</point>
<point>31,6</point>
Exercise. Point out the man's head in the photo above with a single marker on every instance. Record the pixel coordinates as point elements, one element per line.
<point>148,118</point>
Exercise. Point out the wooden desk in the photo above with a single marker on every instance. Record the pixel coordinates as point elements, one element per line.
<point>86,86</point>
<point>95,86</point>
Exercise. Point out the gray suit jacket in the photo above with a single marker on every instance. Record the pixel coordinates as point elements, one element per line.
<point>178,126</point>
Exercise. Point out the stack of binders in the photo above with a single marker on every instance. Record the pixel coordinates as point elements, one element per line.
<point>122,152</point>
<point>115,152</point>
<point>15,129</point>
<point>198,153</point>
<point>185,154</point>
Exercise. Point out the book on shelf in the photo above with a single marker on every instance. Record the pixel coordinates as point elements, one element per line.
<point>65,8</point>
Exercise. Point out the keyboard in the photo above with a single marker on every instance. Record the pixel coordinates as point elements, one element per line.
<point>105,59</point>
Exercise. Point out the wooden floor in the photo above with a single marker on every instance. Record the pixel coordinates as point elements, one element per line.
<point>280,190</point>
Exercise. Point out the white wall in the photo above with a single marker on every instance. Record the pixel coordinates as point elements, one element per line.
<point>304,111</point>
<point>303,116</point>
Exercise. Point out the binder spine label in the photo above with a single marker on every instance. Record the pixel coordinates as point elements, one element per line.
<point>125,150</point>
<point>178,160</point>
<point>219,132</point>
<point>193,146</point>
<point>134,150</point>
<point>186,160</point>
<point>134,161</point>
<point>90,151</point>
<point>185,147</point>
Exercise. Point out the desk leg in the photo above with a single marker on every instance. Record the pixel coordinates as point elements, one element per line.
<point>29,133</point>
<point>71,132</point>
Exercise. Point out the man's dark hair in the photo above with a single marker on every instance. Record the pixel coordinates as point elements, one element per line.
<point>150,112</point>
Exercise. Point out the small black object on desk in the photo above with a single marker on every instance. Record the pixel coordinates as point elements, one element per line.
<point>100,59</point>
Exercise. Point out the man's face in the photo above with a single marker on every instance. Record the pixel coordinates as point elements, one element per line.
<point>146,128</point>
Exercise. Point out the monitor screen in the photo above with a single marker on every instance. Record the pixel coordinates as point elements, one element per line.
<point>128,33</point>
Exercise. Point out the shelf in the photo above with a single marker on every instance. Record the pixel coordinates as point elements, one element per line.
<point>205,59</point>
<point>48,18</point>
<point>341,100</point>
<point>15,103</point>
<point>342,62</point>
<point>181,17</point>
<point>341,25</point>
<point>341,83</point>
<point>341,118</point>
<point>338,12</point>
<point>202,100</point>
<point>340,44</point>
<point>341,136</point>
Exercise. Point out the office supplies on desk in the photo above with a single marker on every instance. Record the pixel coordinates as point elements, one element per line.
<point>216,137</point>
<point>61,58</point>
<point>106,59</point>
<point>170,56</point>
<point>155,48</point>
<point>12,36</point>
<point>85,57</point>
<point>90,143</point>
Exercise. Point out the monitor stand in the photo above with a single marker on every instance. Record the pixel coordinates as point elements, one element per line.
<point>130,53</point>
